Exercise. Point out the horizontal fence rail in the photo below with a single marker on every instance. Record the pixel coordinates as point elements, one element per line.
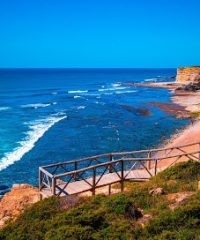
<point>88,174</point>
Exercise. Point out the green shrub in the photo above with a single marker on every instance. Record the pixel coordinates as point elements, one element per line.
<point>70,232</point>
<point>119,230</point>
<point>185,219</point>
<point>186,171</point>
<point>115,217</point>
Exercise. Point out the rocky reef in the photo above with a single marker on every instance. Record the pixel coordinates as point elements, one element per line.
<point>188,74</point>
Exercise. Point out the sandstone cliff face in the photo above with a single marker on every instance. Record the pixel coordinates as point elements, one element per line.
<point>188,74</point>
<point>15,201</point>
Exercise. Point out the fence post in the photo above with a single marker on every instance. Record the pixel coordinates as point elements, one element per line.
<point>94,181</point>
<point>40,179</point>
<point>75,165</point>
<point>110,159</point>
<point>109,186</point>
<point>156,163</point>
<point>75,168</point>
<point>53,186</point>
<point>122,175</point>
<point>149,161</point>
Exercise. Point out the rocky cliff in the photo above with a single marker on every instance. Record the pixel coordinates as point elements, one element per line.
<point>15,201</point>
<point>188,74</point>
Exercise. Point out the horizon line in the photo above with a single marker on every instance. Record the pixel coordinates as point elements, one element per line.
<point>16,68</point>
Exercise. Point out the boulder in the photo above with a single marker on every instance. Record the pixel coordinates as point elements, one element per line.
<point>192,87</point>
<point>178,199</point>
<point>132,212</point>
<point>157,191</point>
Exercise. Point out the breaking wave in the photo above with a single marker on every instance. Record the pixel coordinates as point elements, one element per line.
<point>81,107</point>
<point>78,91</point>
<point>150,80</point>
<point>116,84</point>
<point>128,91</point>
<point>4,108</point>
<point>36,105</point>
<point>36,130</point>
<point>111,89</point>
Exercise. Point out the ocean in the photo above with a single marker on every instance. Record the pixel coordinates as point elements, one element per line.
<point>53,115</point>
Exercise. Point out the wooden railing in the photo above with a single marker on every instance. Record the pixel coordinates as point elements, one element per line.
<point>88,174</point>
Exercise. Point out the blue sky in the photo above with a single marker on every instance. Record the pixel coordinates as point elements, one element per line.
<point>92,33</point>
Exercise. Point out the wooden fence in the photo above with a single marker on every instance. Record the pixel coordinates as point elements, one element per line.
<point>88,174</point>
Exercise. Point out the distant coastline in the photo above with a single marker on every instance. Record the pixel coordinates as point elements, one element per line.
<point>188,98</point>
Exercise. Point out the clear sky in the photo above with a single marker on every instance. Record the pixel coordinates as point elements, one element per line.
<point>99,33</point>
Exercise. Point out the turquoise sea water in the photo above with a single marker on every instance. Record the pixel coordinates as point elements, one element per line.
<point>51,115</point>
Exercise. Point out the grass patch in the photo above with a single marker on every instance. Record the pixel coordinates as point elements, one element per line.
<point>181,171</point>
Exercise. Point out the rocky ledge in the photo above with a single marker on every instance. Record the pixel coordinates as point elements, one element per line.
<point>15,201</point>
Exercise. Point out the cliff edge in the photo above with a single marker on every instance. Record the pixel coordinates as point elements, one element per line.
<point>15,201</point>
<point>188,74</point>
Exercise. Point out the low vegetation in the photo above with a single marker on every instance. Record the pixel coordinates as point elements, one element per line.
<point>195,114</point>
<point>117,216</point>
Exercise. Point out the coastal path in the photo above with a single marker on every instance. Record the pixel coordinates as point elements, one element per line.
<point>91,173</point>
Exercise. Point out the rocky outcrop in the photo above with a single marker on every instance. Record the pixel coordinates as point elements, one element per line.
<point>188,74</point>
<point>15,201</point>
<point>178,199</point>
<point>156,191</point>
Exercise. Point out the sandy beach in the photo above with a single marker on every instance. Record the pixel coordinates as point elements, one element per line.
<point>189,107</point>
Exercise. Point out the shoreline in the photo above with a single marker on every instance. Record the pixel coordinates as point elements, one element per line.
<point>182,137</point>
<point>189,103</point>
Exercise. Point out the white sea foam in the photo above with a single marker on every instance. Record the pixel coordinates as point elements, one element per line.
<point>36,105</point>
<point>4,108</point>
<point>78,91</point>
<point>116,84</point>
<point>128,91</point>
<point>108,93</point>
<point>111,89</point>
<point>81,107</point>
<point>77,96</point>
<point>100,103</point>
<point>150,80</point>
<point>36,130</point>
